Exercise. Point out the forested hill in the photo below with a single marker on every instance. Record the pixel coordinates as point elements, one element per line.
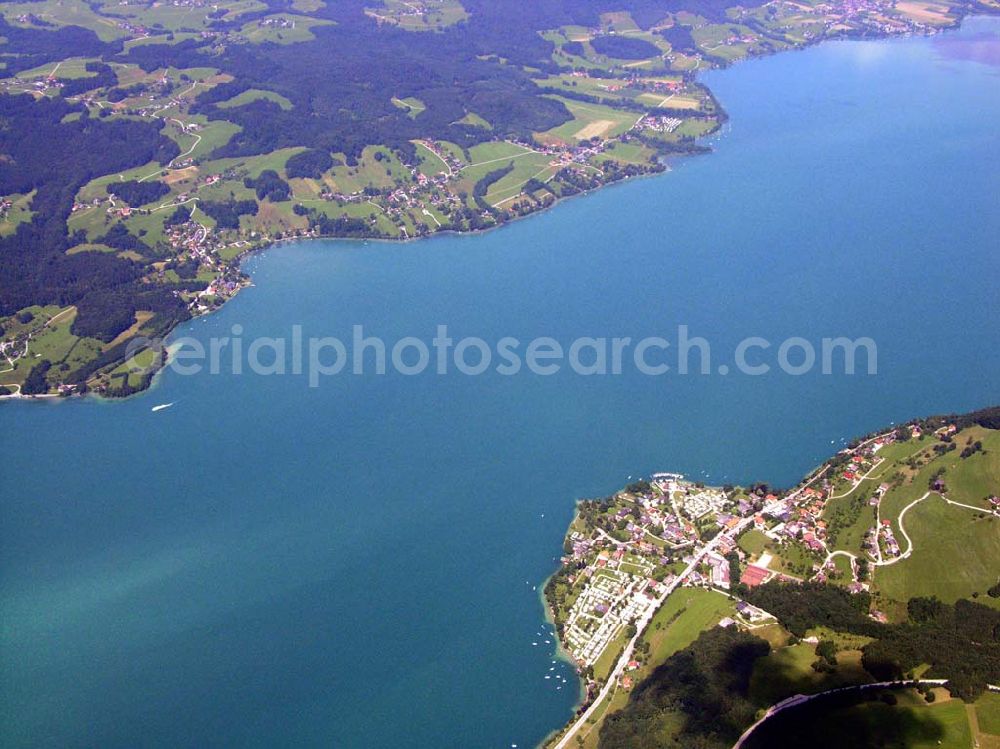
<point>365,118</point>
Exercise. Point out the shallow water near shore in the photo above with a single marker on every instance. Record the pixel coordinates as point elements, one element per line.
<point>354,565</point>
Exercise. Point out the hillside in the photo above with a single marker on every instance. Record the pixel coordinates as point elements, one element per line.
<point>692,610</point>
<point>148,146</point>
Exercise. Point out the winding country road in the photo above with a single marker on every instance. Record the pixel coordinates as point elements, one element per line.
<point>902,528</point>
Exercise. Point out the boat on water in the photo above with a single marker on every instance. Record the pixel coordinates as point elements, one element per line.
<point>160,407</point>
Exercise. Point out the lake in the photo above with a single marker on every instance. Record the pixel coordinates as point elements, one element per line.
<point>355,565</point>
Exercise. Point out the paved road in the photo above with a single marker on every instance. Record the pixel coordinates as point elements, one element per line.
<point>801,699</point>
<point>640,626</point>
<point>642,623</point>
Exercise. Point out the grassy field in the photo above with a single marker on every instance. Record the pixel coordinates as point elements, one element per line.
<point>488,157</point>
<point>604,664</point>
<point>430,164</point>
<point>64,13</point>
<point>978,476</point>
<point>936,14</point>
<point>617,90</point>
<point>988,713</point>
<point>849,518</point>
<point>52,341</point>
<point>471,118</point>
<point>955,548</point>
<point>299,29</point>
<point>378,167</point>
<point>629,153</point>
<point>753,542</point>
<point>910,724</point>
<point>792,558</point>
<point>533,166</point>
<point>69,69</point>
<point>18,213</point>
<point>434,14</point>
<point>589,121</point>
<point>686,613</point>
<point>178,18</point>
<point>411,105</point>
<point>955,554</point>
<point>789,671</point>
<point>256,94</point>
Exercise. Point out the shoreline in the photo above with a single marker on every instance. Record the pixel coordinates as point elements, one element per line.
<point>666,163</point>
<point>668,159</point>
<point>763,503</point>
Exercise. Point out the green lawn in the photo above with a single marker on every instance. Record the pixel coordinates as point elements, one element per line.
<point>411,105</point>
<point>64,13</point>
<point>435,14</point>
<point>19,212</point>
<point>955,554</point>
<point>789,671</point>
<point>69,69</point>
<point>471,118</point>
<point>686,613</point>
<point>753,542</point>
<point>299,29</point>
<point>176,17</point>
<point>954,548</point>
<point>53,342</point>
<point>849,518</point>
<point>604,664</point>
<point>988,713</point>
<point>792,558</point>
<point>978,476</point>
<point>589,121</point>
<point>256,94</point>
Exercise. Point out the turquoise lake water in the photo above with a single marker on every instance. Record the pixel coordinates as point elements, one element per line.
<point>354,565</point>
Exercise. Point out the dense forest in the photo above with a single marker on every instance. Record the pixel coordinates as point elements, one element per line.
<point>703,688</point>
<point>960,642</point>
<point>340,84</point>
<point>698,698</point>
<point>56,158</point>
<point>624,48</point>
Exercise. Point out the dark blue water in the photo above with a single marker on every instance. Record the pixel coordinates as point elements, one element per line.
<point>353,565</point>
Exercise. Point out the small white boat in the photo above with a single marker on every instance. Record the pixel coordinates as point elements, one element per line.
<point>160,407</point>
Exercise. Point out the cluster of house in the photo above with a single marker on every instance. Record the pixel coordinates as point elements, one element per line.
<point>616,592</point>
<point>39,85</point>
<point>851,15</point>
<point>661,124</point>
<point>888,547</point>
<point>699,502</point>
<point>619,578</point>
<point>277,22</point>
<point>870,14</point>
<point>134,30</point>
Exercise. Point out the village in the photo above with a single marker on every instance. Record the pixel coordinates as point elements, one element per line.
<point>626,553</point>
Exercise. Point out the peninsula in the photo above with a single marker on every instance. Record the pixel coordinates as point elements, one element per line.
<point>147,147</point>
<point>852,581</point>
